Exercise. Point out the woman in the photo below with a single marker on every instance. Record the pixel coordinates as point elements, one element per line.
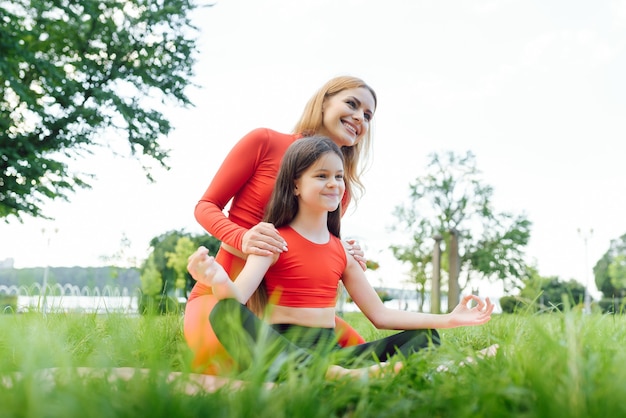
<point>305,208</point>
<point>342,110</point>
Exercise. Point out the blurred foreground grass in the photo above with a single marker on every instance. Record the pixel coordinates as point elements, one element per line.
<point>549,365</point>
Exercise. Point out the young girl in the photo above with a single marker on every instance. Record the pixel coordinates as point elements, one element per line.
<point>341,110</point>
<point>301,284</point>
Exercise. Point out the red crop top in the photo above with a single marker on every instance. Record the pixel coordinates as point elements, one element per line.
<point>308,274</point>
<point>246,176</point>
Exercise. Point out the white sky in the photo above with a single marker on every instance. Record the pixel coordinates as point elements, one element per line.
<point>535,89</point>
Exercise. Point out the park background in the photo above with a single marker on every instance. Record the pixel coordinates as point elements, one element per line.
<point>534,89</point>
<point>531,88</point>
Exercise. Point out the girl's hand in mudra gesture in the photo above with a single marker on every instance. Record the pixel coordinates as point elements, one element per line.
<point>204,269</point>
<point>479,314</point>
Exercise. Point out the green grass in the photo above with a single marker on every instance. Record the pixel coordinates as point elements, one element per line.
<point>550,365</point>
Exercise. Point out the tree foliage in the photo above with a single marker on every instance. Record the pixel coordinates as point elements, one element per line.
<point>610,270</point>
<point>452,196</point>
<point>177,260</point>
<point>169,258</point>
<point>151,278</point>
<point>74,76</point>
<point>419,257</point>
<point>82,277</point>
<point>544,294</point>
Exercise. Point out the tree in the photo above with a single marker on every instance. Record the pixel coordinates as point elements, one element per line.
<point>177,260</point>
<point>418,256</point>
<point>617,272</point>
<point>169,256</point>
<point>610,271</point>
<point>452,197</point>
<point>151,279</point>
<point>543,293</point>
<point>498,252</point>
<point>549,292</point>
<point>74,75</point>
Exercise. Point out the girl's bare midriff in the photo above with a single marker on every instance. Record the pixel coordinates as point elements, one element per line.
<point>306,317</point>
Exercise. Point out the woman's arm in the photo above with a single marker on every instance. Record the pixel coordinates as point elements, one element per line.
<point>235,171</point>
<point>369,302</point>
<point>233,176</point>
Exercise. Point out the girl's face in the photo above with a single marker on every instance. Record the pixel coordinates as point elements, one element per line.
<point>321,186</point>
<point>347,116</point>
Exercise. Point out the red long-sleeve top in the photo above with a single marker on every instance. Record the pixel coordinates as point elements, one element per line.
<point>246,177</point>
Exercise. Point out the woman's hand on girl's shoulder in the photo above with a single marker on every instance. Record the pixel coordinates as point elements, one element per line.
<point>354,249</point>
<point>263,239</point>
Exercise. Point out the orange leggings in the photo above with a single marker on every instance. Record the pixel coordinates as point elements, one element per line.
<point>209,356</point>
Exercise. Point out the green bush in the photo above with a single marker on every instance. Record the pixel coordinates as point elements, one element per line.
<point>513,304</point>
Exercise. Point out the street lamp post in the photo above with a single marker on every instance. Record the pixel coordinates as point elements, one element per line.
<point>586,235</point>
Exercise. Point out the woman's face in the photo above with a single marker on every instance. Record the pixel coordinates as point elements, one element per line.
<point>347,116</point>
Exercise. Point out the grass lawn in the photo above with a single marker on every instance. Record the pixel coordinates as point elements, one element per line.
<point>550,365</point>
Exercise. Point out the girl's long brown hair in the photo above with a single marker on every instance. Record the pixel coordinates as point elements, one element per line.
<point>302,154</point>
<point>283,205</point>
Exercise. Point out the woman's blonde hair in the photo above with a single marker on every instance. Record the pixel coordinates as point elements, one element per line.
<point>356,156</point>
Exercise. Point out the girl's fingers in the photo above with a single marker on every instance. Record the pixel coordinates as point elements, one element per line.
<point>202,250</point>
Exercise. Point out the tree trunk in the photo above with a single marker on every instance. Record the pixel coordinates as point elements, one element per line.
<point>435,291</point>
<point>453,281</point>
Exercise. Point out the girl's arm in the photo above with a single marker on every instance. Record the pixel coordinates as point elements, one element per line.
<point>369,302</point>
<point>203,268</point>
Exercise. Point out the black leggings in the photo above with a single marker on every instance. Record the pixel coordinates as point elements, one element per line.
<point>246,337</point>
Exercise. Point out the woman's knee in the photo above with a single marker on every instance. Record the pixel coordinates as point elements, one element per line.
<point>224,308</point>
